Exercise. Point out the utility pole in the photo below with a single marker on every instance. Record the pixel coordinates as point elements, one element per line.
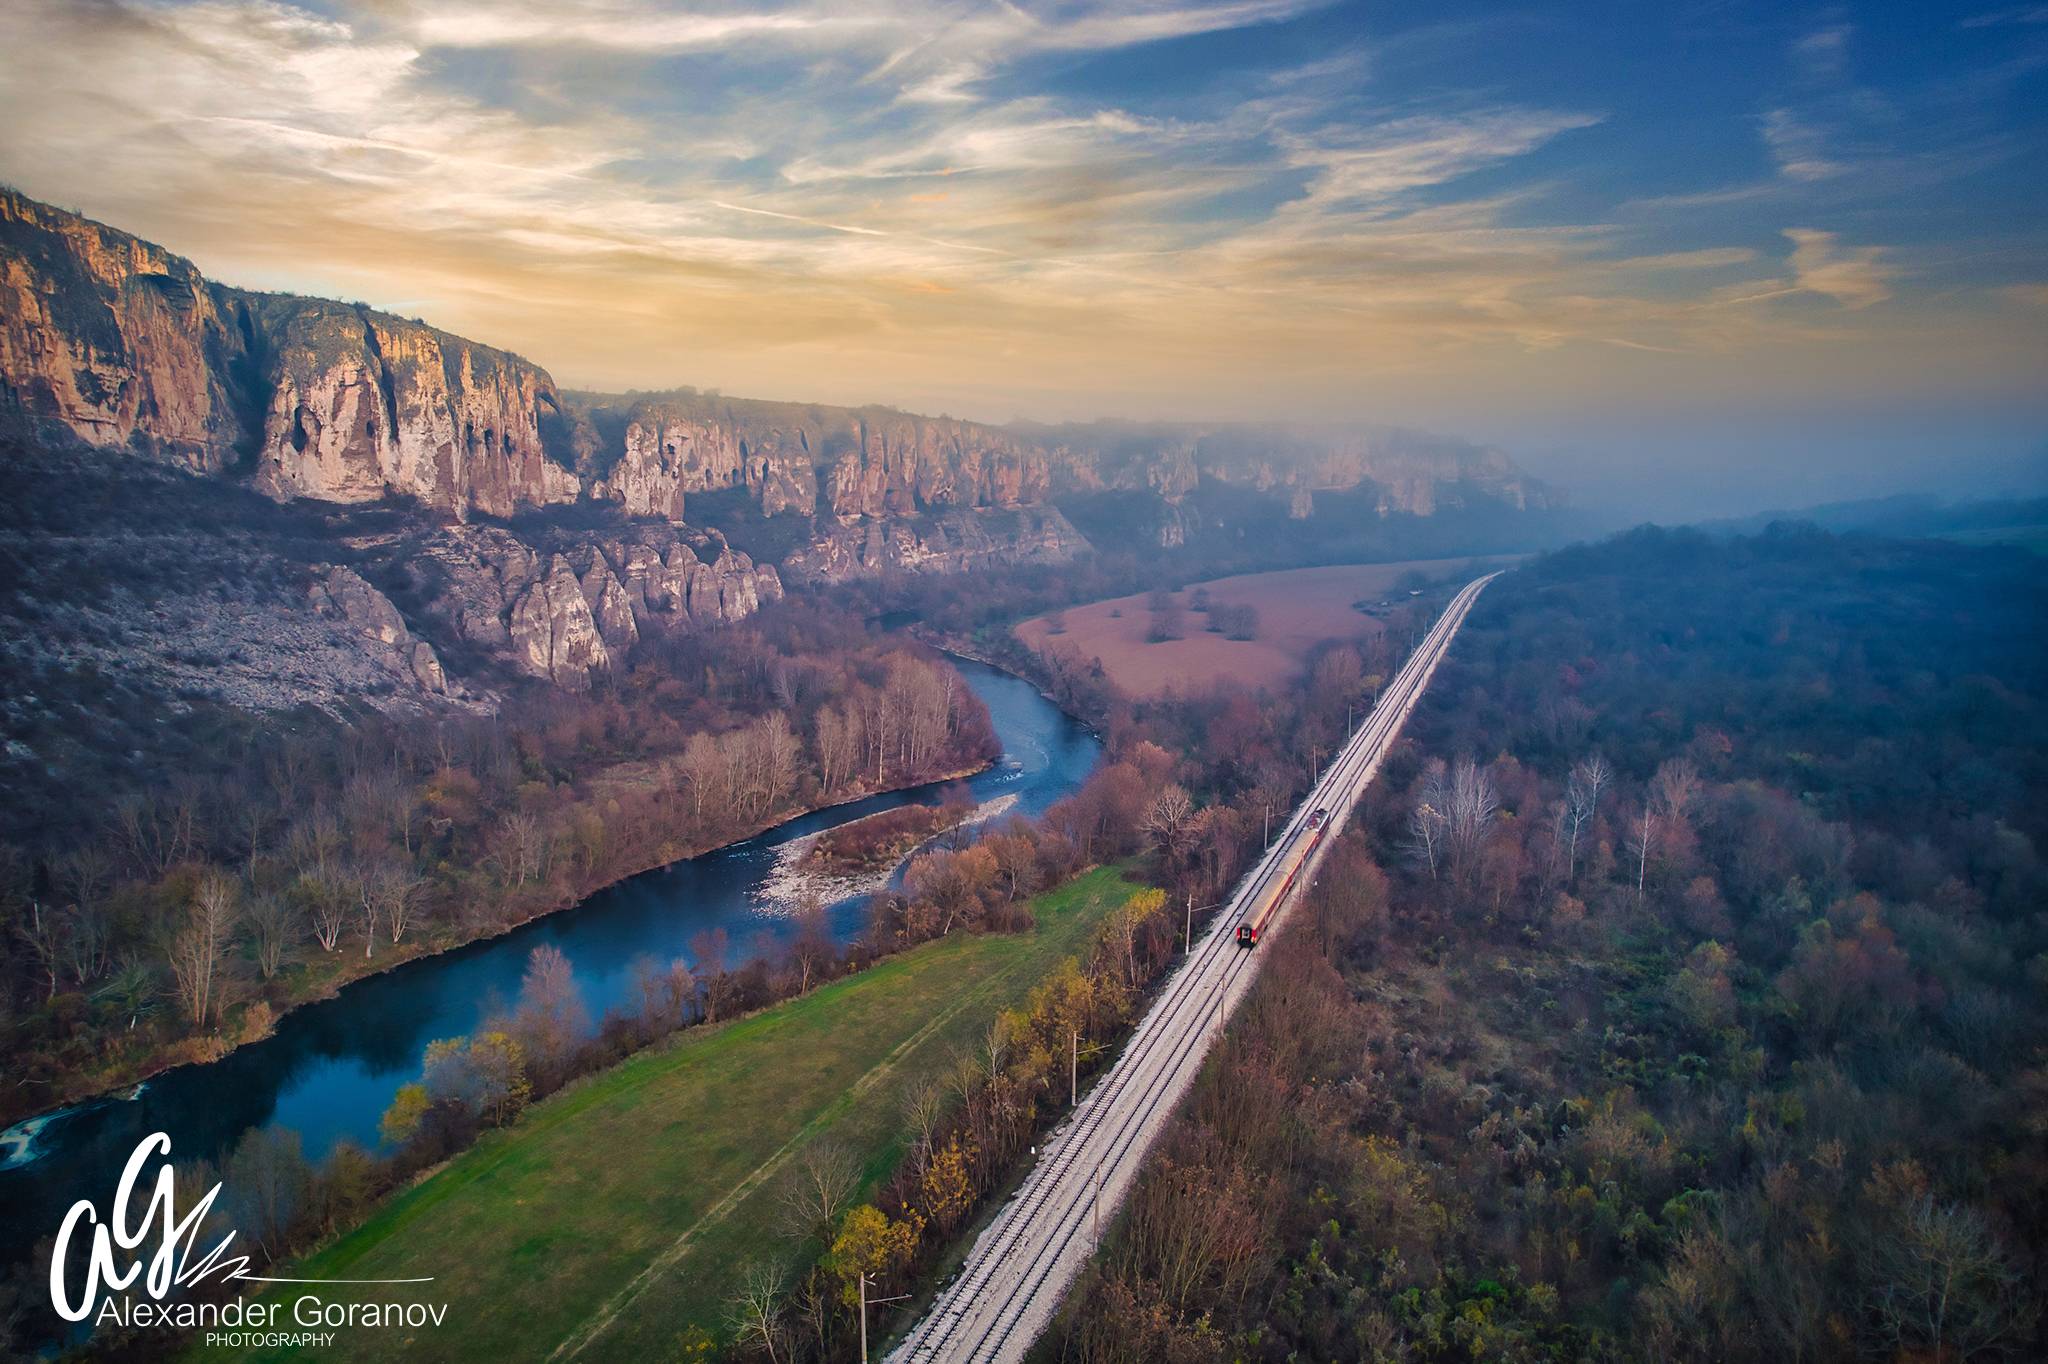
<point>1269,826</point>
<point>864,1301</point>
<point>1190,934</point>
<point>1074,1071</point>
<point>1098,1207</point>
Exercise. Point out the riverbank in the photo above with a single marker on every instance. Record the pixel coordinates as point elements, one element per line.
<point>643,1250</point>
<point>316,985</point>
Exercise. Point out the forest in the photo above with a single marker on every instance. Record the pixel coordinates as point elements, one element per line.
<point>301,856</point>
<point>1677,995</point>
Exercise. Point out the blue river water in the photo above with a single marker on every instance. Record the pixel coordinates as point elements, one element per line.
<point>331,1068</point>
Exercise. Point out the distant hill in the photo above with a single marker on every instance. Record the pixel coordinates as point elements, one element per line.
<point>1909,516</point>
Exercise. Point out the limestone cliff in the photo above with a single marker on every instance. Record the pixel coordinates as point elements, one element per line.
<point>951,540</point>
<point>362,405</point>
<point>344,594</point>
<point>119,343</point>
<point>115,340</point>
<point>581,604</point>
<point>795,458</point>
<point>110,340</point>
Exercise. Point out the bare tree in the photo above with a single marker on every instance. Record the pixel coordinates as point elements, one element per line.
<point>877,729</point>
<point>1942,1287</point>
<point>1590,776</point>
<point>811,950</point>
<point>369,909</point>
<point>270,1179</point>
<point>519,846</point>
<point>272,922</point>
<point>156,831</point>
<point>551,1018</point>
<point>41,932</point>
<point>194,952</point>
<point>1474,804</point>
<point>1430,820</point>
<point>327,904</point>
<point>780,750</point>
<point>709,947</point>
<point>315,844</point>
<point>395,888</point>
<point>1642,842</point>
<point>819,1189</point>
<point>86,873</point>
<point>1170,820</point>
<point>756,1306</point>
<point>924,1104</point>
<point>1675,787</point>
<point>837,744</point>
<point>666,992</point>
<point>703,768</point>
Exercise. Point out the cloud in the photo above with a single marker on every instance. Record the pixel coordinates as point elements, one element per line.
<point>1825,51</point>
<point>2021,14</point>
<point>895,202</point>
<point>1707,258</point>
<point>618,27</point>
<point>1855,277</point>
<point>1796,147</point>
<point>1368,166</point>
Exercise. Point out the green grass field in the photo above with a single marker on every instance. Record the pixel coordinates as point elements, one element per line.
<point>618,1214</point>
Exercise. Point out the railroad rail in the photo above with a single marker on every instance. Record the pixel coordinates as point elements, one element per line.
<point>1027,1258</point>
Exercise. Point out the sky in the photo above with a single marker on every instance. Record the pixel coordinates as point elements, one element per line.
<point>1682,258</point>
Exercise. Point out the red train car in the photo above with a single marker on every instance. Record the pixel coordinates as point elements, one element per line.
<point>1261,912</point>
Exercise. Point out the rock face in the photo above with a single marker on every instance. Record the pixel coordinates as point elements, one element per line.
<point>115,342</point>
<point>571,610</point>
<point>553,632</point>
<point>362,405</point>
<point>804,460</point>
<point>345,595</point>
<point>119,343</point>
<point>956,540</point>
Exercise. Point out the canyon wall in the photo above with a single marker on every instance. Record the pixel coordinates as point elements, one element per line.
<point>551,532</point>
<point>116,342</point>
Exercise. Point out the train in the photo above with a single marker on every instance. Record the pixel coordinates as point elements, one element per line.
<point>1255,919</point>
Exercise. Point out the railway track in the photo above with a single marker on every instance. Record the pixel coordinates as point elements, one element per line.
<point>1026,1259</point>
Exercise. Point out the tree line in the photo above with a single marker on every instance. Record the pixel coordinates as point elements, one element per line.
<point>196,912</point>
<point>1637,1019</point>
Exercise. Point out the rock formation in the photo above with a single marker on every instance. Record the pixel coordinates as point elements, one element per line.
<point>953,540</point>
<point>344,594</point>
<point>113,339</point>
<point>572,610</point>
<point>864,462</point>
<point>119,343</point>
<point>362,405</point>
<point>115,342</point>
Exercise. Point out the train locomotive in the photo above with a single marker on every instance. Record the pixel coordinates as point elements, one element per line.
<point>1255,919</point>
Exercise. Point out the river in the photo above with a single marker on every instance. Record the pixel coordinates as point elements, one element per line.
<point>331,1068</point>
